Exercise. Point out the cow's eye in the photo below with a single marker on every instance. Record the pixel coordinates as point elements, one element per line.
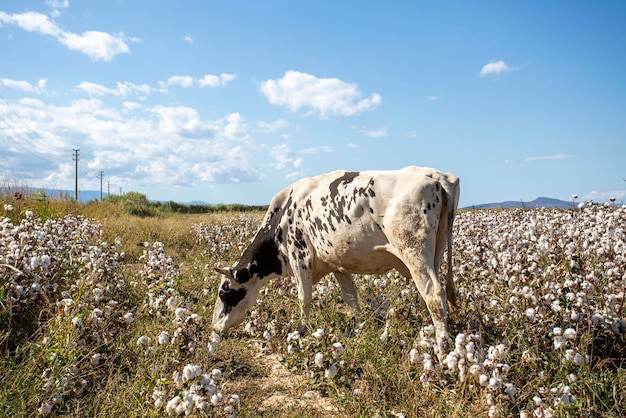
<point>242,276</point>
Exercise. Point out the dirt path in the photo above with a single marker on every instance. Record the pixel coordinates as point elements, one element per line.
<point>283,391</point>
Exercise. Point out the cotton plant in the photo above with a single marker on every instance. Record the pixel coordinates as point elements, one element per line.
<point>82,297</point>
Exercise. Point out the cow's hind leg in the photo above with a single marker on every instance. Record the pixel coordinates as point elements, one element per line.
<point>348,289</point>
<point>434,295</point>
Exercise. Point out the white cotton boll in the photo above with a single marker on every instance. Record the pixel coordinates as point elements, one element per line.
<point>234,400</point>
<point>331,372</point>
<point>291,349</point>
<point>293,336</point>
<point>229,409</point>
<point>177,377</point>
<point>172,404</point>
<point>383,337</point>
<point>181,314</point>
<point>191,371</point>
<point>129,318</point>
<point>558,342</point>
<point>413,356</point>
<point>429,365</point>
<point>216,399</point>
<point>451,360</point>
<point>95,359</point>
<point>216,374</point>
<point>574,357</point>
<point>569,333</point>
<point>494,411</point>
<point>475,370</point>
<point>34,262</point>
<point>557,331</point>
<point>319,359</point>
<point>510,390</point>
<point>44,409</point>
<point>143,340</point>
<point>319,333</point>
<point>530,314</point>
<point>483,380</point>
<point>571,378</point>
<point>459,343</point>
<point>338,348</point>
<point>537,400</point>
<point>495,383</point>
<point>164,338</point>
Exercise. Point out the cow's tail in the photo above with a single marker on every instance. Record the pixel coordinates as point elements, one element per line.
<point>451,194</point>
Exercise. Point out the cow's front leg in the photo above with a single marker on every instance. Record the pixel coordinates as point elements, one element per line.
<point>305,291</point>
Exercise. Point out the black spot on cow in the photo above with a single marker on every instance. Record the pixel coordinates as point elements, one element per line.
<point>371,210</point>
<point>428,206</point>
<point>437,186</point>
<point>262,256</point>
<point>371,192</point>
<point>230,297</point>
<point>346,178</point>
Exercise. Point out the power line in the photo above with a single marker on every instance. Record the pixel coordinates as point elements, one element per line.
<point>26,134</point>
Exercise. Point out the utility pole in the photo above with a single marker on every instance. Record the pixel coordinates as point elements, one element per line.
<point>108,188</point>
<point>100,176</point>
<point>76,151</point>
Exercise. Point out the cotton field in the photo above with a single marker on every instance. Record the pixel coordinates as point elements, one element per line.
<point>538,330</point>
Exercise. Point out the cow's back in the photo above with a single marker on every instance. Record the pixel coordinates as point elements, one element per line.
<point>340,221</point>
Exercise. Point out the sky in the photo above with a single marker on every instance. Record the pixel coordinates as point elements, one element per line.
<point>231,101</point>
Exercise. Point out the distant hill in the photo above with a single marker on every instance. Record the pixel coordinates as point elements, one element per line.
<point>540,202</point>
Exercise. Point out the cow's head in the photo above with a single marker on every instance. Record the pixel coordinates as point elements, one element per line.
<point>237,293</point>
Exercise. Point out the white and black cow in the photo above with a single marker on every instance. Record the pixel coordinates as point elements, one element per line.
<point>350,223</point>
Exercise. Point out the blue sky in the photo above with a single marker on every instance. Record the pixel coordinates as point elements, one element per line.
<point>230,101</point>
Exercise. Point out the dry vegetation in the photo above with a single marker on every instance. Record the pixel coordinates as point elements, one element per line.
<point>107,314</point>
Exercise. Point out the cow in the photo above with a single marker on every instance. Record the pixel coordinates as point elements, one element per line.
<point>348,223</point>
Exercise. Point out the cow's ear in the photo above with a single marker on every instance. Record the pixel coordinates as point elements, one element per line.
<point>226,272</point>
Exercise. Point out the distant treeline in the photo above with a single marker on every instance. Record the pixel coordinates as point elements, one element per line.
<point>132,203</point>
<point>137,204</point>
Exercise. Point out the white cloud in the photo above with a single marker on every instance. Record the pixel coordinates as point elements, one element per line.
<point>188,39</point>
<point>270,127</point>
<point>40,87</point>
<point>180,80</point>
<point>122,89</point>
<point>601,197</point>
<point>285,160</point>
<point>432,98</point>
<point>316,150</point>
<point>560,156</point>
<point>208,80</point>
<point>495,68</point>
<point>325,96</point>
<point>97,45</point>
<point>374,133</point>
<point>133,144</point>
<point>352,145</point>
<point>58,4</point>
